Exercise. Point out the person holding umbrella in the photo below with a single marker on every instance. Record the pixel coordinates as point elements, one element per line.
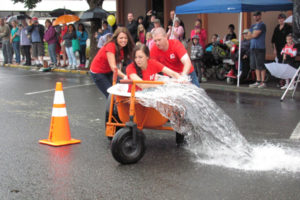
<point>114,53</point>
<point>15,40</point>
<point>68,37</point>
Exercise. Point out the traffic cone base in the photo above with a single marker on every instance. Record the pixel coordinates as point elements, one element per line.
<point>60,143</point>
<point>59,133</point>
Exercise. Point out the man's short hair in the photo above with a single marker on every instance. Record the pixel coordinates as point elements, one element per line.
<point>159,30</point>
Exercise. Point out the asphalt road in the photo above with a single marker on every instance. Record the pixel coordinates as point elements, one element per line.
<point>87,171</point>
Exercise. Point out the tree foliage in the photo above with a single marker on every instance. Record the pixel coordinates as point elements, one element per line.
<point>28,3</point>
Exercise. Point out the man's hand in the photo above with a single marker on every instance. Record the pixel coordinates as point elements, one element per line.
<point>149,13</point>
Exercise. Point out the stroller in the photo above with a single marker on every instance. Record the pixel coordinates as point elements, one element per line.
<point>213,57</point>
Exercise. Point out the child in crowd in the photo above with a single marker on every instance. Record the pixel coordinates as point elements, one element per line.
<point>289,53</point>
<point>141,33</point>
<point>196,55</point>
<point>149,40</point>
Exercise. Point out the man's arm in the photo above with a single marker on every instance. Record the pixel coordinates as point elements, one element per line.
<point>254,34</point>
<point>187,64</point>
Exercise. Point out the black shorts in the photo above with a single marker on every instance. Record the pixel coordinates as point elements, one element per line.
<point>257,59</point>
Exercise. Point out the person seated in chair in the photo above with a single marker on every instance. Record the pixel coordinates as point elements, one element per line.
<point>145,68</point>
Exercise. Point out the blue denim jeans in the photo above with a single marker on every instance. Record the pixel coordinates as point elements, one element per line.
<point>52,53</point>
<point>71,57</point>
<point>102,81</point>
<point>194,78</point>
<point>16,47</point>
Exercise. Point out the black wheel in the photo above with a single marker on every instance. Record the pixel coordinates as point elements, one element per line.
<point>115,114</point>
<point>179,138</point>
<point>220,73</point>
<point>122,148</point>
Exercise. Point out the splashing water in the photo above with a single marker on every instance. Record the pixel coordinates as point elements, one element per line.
<point>211,134</point>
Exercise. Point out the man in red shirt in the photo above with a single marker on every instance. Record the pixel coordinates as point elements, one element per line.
<point>172,54</point>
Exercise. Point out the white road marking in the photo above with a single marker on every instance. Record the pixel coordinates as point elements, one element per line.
<point>50,90</point>
<point>296,132</point>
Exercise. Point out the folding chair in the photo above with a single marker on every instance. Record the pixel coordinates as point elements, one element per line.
<point>296,75</point>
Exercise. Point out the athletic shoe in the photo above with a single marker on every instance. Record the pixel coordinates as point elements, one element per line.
<point>284,87</point>
<point>292,87</point>
<point>203,79</point>
<point>254,85</point>
<point>262,85</point>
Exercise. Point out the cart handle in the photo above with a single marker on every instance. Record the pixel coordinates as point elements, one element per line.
<point>141,82</point>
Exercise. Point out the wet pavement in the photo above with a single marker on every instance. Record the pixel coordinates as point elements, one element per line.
<point>30,170</point>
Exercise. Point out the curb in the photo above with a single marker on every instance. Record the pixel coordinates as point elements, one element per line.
<point>244,89</point>
<point>207,86</point>
<point>53,70</point>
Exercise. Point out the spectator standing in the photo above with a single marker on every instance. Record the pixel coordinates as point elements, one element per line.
<point>36,31</point>
<point>279,36</point>
<point>132,26</point>
<point>15,40</point>
<point>82,36</point>
<point>25,42</point>
<point>114,53</point>
<point>51,39</point>
<point>156,24</point>
<point>64,30</point>
<point>177,31</point>
<point>200,32</point>
<point>196,55</point>
<point>172,54</point>
<point>257,34</point>
<point>231,35</point>
<point>140,20</point>
<point>149,21</point>
<point>170,22</point>
<point>289,53</point>
<point>68,37</point>
<point>141,34</point>
<point>6,47</point>
<point>149,40</point>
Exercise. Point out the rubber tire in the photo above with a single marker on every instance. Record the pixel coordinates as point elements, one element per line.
<point>179,138</point>
<point>220,73</point>
<point>120,146</point>
<point>115,114</point>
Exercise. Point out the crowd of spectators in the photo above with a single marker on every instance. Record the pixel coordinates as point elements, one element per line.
<point>26,42</point>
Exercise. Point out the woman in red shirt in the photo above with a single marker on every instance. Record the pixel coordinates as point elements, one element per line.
<point>115,52</point>
<point>145,68</point>
<point>198,30</point>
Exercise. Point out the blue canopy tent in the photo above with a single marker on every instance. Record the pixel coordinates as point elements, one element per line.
<point>234,6</point>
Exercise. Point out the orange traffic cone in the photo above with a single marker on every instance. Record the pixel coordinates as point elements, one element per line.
<point>59,133</point>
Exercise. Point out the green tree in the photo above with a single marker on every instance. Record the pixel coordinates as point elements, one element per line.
<point>94,24</point>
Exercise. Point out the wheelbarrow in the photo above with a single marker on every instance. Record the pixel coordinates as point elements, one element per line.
<point>126,119</point>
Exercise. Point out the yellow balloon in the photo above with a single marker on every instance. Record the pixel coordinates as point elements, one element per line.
<point>111,20</point>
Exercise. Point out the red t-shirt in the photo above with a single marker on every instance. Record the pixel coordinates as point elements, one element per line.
<point>100,63</point>
<point>171,57</point>
<point>153,67</point>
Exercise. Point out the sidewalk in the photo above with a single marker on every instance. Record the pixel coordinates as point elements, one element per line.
<point>271,89</point>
